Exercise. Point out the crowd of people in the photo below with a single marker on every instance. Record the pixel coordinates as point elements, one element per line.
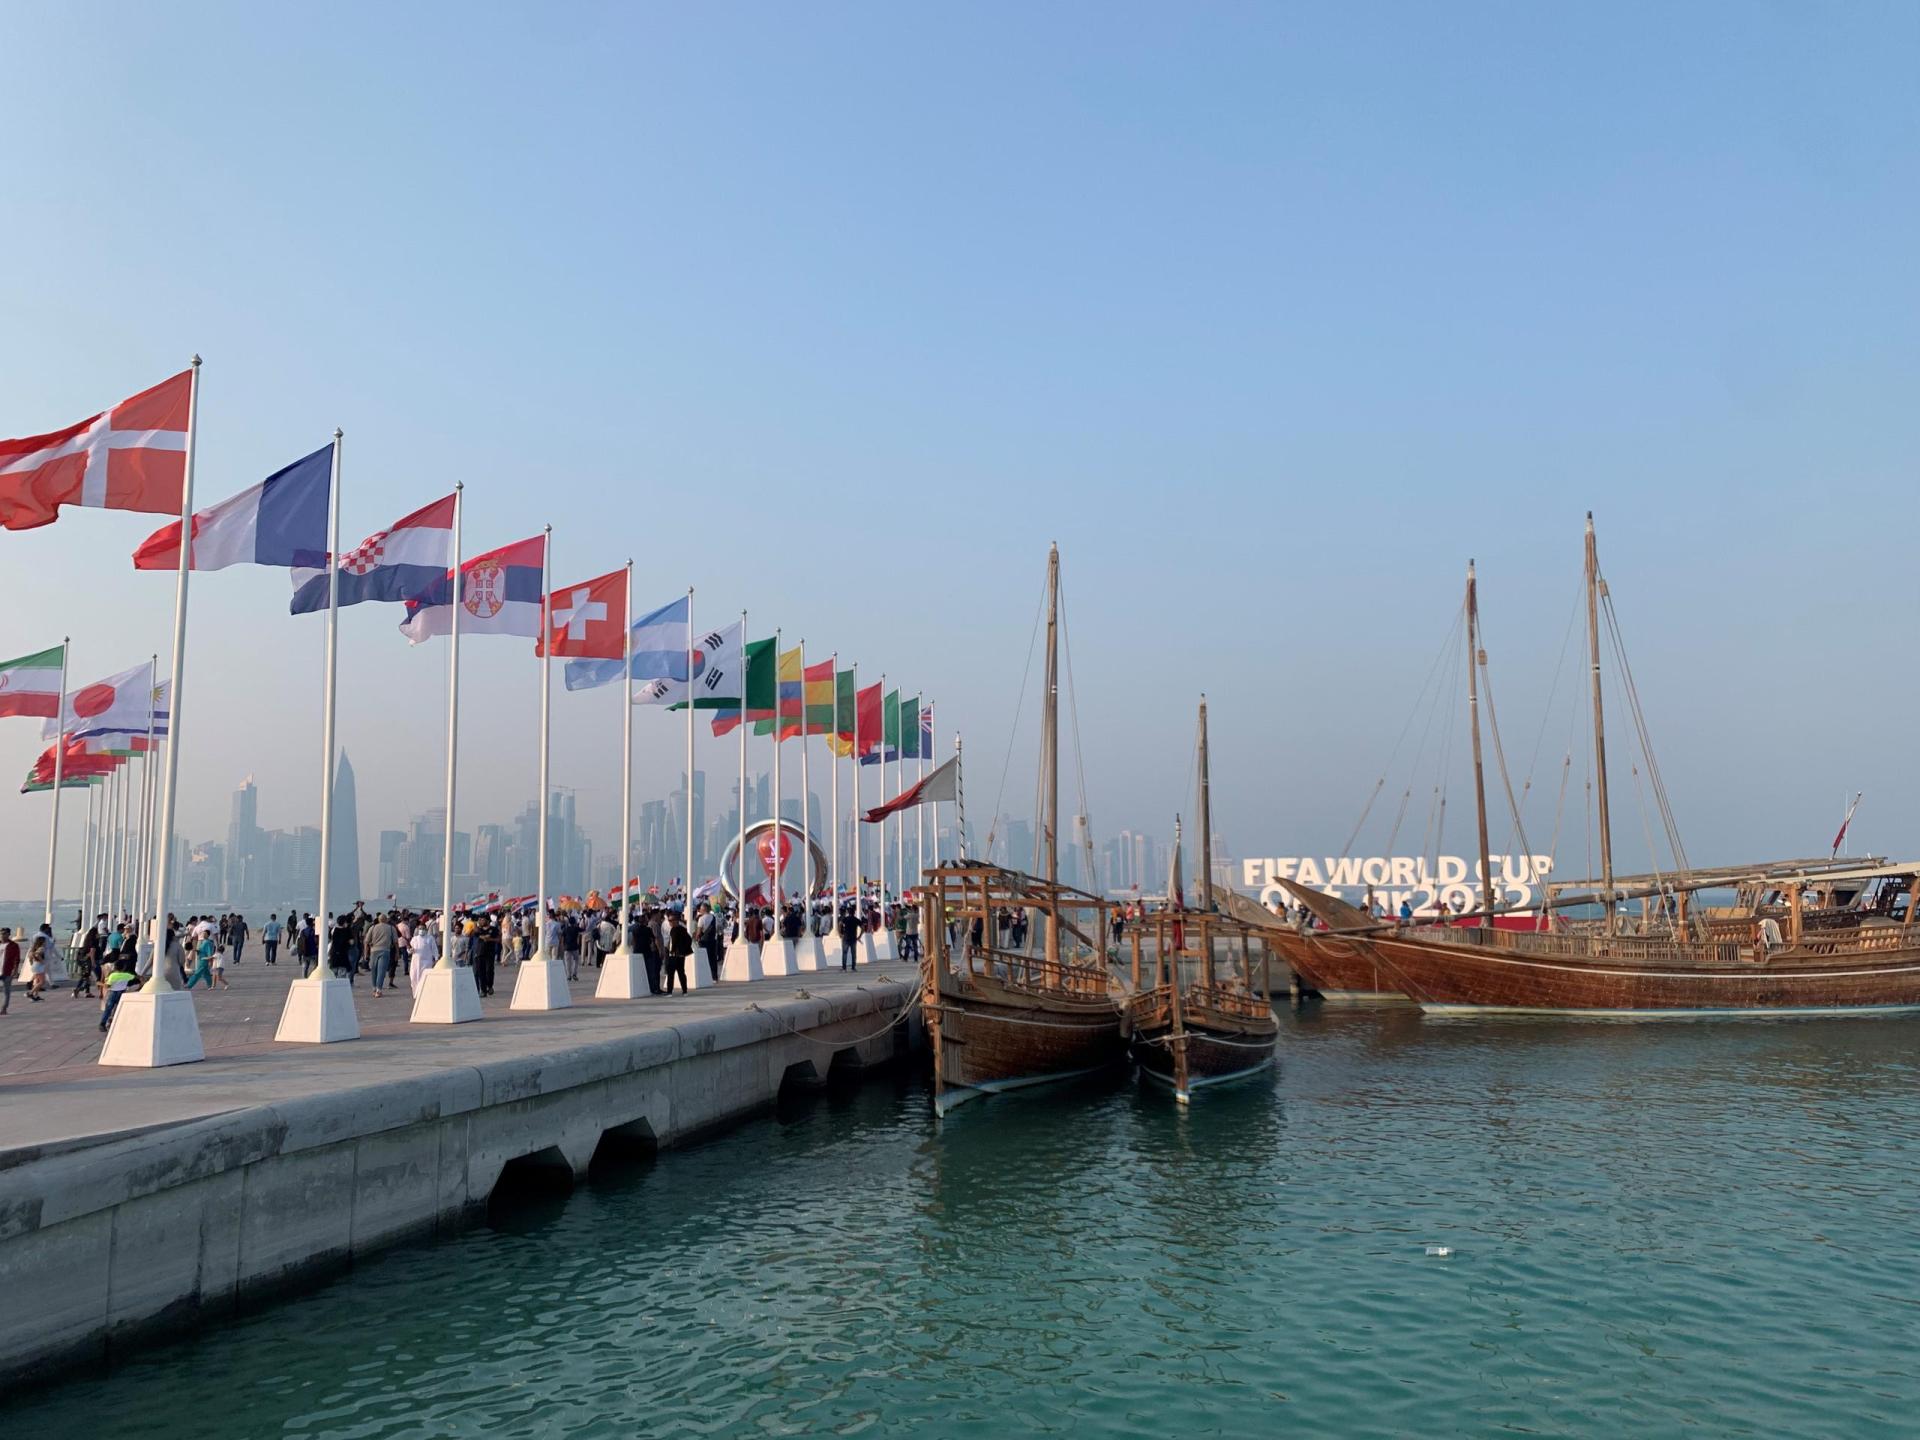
<point>103,959</point>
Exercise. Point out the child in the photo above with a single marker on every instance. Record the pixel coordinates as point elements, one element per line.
<point>118,979</point>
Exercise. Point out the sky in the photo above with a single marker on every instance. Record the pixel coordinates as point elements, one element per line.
<point>1271,315</point>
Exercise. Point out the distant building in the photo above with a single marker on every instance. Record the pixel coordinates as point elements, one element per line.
<point>343,864</point>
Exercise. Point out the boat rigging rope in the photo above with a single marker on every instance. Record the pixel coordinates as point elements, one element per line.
<point>1632,691</point>
<point>1499,756</point>
<point>1447,647</point>
<point>1079,764</point>
<point>901,1014</point>
<point>1013,730</point>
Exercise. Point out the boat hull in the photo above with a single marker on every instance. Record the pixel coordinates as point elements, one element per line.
<point>1472,978</point>
<point>1337,968</point>
<point>1212,1058</point>
<point>995,1036</point>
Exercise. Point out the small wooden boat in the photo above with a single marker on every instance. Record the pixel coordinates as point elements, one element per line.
<point>1001,1018</point>
<point>1192,1030</point>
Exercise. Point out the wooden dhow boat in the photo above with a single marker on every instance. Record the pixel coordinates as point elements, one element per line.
<point>1192,1029</point>
<point>1000,1018</point>
<point>1861,957</point>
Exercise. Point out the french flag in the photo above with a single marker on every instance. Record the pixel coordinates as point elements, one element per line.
<point>406,559</point>
<point>502,592</point>
<point>280,521</point>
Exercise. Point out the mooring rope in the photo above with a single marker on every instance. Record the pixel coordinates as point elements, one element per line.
<point>901,1014</point>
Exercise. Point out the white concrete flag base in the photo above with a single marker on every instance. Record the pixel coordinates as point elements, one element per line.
<point>777,957</point>
<point>319,1010</point>
<point>741,962</point>
<point>153,1027</point>
<point>883,947</point>
<point>623,976</point>
<point>541,985</point>
<point>809,954</point>
<point>446,997</point>
<point>699,977</point>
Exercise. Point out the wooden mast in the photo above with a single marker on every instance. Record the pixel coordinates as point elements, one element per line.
<point>1599,724</point>
<point>1204,889</point>
<point>1479,770</point>
<point>1050,753</point>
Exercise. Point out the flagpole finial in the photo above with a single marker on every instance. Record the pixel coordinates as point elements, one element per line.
<point>195,362</point>
<point>546,529</point>
<point>338,433</point>
<point>458,486</point>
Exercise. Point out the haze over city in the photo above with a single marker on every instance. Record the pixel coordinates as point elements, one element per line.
<point>840,315</point>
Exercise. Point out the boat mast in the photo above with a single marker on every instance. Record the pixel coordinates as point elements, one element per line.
<point>1599,723</point>
<point>1474,658</point>
<point>1203,890</point>
<point>1050,748</point>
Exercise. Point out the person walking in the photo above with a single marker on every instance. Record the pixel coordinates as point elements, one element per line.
<point>9,968</point>
<point>421,955</point>
<point>270,938</point>
<point>203,951</point>
<point>113,985</point>
<point>41,957</point>
<point>381,939</point>
<point>647,945</point>
<point>483,946</point>
<point>238,935</point>
<point>679,947</point>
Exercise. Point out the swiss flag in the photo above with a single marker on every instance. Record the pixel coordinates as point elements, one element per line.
<point>132,457</point>
<point>588,620</point>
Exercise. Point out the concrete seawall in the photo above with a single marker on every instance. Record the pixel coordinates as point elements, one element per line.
<point>112,1233</point>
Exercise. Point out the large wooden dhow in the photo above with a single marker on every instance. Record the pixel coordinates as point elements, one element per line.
<point>1000,1018</point>
<point>1853,950</point>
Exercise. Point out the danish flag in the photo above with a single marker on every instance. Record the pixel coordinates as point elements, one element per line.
<point>132,457</point>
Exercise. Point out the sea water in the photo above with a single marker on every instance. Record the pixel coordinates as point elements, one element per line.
<point>1650,1229</point>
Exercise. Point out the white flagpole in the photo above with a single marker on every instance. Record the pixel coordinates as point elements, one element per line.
<point>123,778</point>
<point>540,955</point>
<point>445,962</point>
<point>327,702</point>
<point>919,812</point>
<point>86,853</point>
<point>833,770</point>
<point>859,884</point>
<point>687,885</point>
<point>170,784</point>
<point>806,796</point>
<point>740,854</point>
<point>882,827</point>
<point>146,821</point>
<point>779,876</point>
<point>156,1025</point>
<point>626,771</point>
<point>59,772</point>
<point>143,850</point>
<point>110,851</point>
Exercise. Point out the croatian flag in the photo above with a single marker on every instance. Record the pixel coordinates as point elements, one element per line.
<point>280,521</point>
<point>501,592</point>
<point>395,564</point>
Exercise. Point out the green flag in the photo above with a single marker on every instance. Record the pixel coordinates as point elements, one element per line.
<point>910,729</point>
<point>890,722</point>
<point>843,702</point>
<point>763,679</point>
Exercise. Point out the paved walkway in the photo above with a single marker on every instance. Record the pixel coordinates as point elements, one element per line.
<point>52,1094</point>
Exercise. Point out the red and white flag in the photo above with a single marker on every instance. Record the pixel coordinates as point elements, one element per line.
<point>588,620</point>
<point>132,457</point>
<point>942,784</point>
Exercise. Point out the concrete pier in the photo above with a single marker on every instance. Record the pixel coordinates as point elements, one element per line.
<point>129,1199</point>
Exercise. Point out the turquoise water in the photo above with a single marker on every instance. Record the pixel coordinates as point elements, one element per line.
<point>1657,1229</point>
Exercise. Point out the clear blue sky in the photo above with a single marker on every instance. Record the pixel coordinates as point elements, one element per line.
<point>1272,315</point>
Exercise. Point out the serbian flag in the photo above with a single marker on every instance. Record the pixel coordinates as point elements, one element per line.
<point>589,620</point>
<point>132,457</point>
<point>500,591</point>
<point>393,564</point>
<point>942,784</point>
<point>280,521</point>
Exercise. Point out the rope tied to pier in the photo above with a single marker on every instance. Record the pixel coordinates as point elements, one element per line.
<point>901,1014</point>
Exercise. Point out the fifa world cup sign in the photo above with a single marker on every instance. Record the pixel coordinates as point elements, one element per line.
<point>777,854</point>
<point>1425,884</point>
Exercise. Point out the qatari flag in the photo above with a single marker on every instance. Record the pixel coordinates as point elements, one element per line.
<point>132,457</point>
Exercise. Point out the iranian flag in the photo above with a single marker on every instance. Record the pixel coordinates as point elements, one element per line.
<point>31,684</point>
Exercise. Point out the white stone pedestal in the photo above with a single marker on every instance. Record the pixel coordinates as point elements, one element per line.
<point>541,985</point>
<point>622,977</point>
<point>153,1027</point>
<point>319,1010</point>
<point>447,996</point>
<point>810,953</point>
<point>741,962</point>
<point>883,946</point>
<point>777,958</point>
